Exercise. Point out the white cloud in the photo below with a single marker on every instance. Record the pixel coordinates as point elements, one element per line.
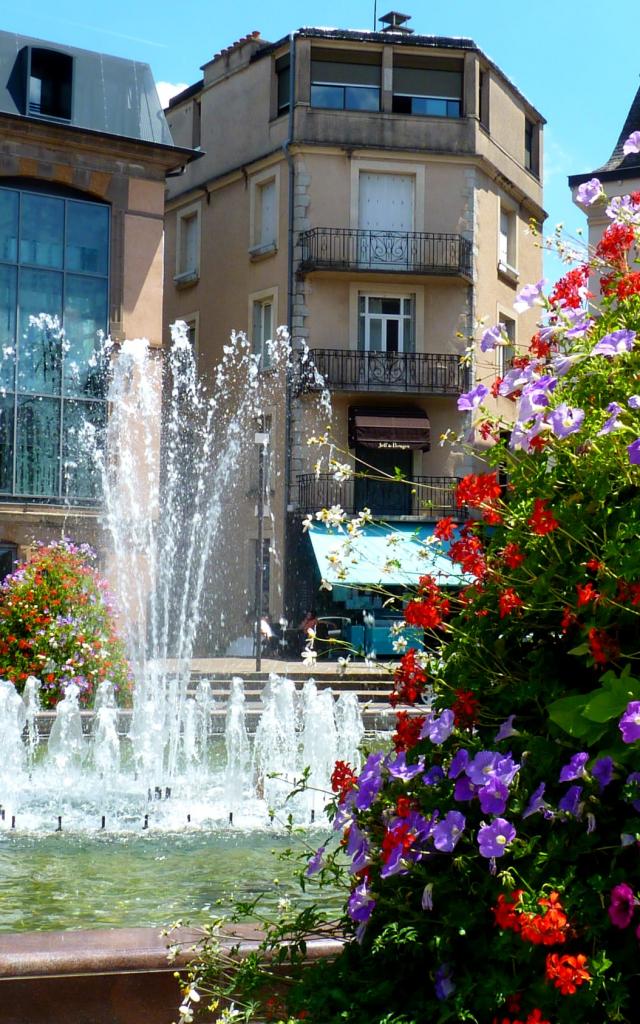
<point>167,89</point>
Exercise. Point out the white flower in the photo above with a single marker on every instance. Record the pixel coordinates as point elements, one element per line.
<point>342,471</point>
<point>307,523</point>
<point>400,644</point>
<point>396,628</point>
<point>309,657</point>
<point>186,1014</point>
<point>395,538</point>
<point>343,664</point>
<point>325,585</point>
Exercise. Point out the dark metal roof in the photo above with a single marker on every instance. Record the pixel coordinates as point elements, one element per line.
<point>191,90</point>
<point>618,166</point>
<point>110,95</point>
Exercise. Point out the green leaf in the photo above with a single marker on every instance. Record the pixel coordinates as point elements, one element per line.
<point>567,712</point>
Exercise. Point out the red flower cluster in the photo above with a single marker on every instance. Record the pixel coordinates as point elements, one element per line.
<point>512,556</point>
<point>409,680</point>
<point>399,835</point>
<point>614,245</point>
<point>481,491</point>
<point>465,709</point>
<point>445,529</point>
<point>538,348</point>
<point>628,285</point>
<point>569,619</point>
<point>430,611</point>
<point>343,779</point>
<point>603,648</point>
<point>569,290</point>
<point>628,593</point>
<point>567,972</point>
<point>586,593</point>
<point>508,602</point>
<point>542,520</point>
<point>407,731</point>
<point>547,928</point>
<point>514,1005</point>
<point>469,553</point>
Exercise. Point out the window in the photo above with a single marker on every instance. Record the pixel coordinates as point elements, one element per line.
<point>54,260</point>
<point>283,79</point>
<point>386,323</point>
<point>507,256</point>
<point>506,353</point>
<point>262,332</point>
<point>531,161</point>
<point>50,76</point>
<point>265,226</point>
<point>483,99</point>
<point>188,246</point>
<point>432,89</point>
<point>349,83</point>
<point>8,559</point>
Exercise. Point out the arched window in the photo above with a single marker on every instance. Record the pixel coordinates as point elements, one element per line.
<point>54,293</point>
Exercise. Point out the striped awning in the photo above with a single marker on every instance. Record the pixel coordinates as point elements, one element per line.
<point>402,429</point>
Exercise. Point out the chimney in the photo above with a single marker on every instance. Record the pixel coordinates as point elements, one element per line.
<point>395,22</point>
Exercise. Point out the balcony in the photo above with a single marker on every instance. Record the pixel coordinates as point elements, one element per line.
<point>409,372</point>
<point>434,496</point>
<point>402,252</point>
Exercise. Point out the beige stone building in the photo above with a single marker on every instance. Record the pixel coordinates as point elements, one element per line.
<point>372,190</point>
<point>84,150</point>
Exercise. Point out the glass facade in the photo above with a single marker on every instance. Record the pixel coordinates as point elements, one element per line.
<point>54,289</point>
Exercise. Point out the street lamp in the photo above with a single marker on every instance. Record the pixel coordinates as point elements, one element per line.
<point>261,439</point>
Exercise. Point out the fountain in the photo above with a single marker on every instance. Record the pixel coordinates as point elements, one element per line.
<point>168,763</point>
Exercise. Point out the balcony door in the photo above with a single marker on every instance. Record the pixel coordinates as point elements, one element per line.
<point>384,497</point>
<point>385,219</point>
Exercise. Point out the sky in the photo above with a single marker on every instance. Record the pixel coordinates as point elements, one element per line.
<point>578,66</point>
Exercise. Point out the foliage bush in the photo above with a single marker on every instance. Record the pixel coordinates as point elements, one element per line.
<point>57,623</point>
<point>492,859</point>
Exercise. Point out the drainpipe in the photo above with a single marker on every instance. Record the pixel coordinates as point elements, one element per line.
<point>286,561</point>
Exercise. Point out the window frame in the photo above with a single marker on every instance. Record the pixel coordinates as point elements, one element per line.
<point>506,353</point>
<point>257,250</point>
<point>387,291</point>
<point>505,267</point>
<point>268,296</point>
<point>67,401</point>
<point>183,277</point>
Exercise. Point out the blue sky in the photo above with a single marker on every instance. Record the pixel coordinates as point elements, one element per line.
<point>578,67</point>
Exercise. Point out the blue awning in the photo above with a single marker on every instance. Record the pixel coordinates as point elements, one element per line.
<point>383,555</point>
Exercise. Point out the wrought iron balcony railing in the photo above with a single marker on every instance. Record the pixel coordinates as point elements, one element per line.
<point>424,497</point>
<point>407,252</point>
<point>413,372</point>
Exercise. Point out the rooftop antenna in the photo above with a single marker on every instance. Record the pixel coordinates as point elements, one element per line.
<point>375,14</point>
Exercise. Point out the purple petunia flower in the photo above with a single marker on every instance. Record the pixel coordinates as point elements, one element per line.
<point>589,191</point>
<point>434,775</point>
<point>564,420</point>
<point>529,296</point>
<point>464,790</point>
<point>632,144</point>
<point>575,769</point>
<point>536,803</point>
<point>488,765</point>
<point>438,729</point>
<point>570,802</point>
<point>602,771</point>
<point>634,452</point>
<point>614,344</point>
<point>399,768</point>
<point>622,905</point>
<point>444,986</point>
<point>459,762</point>
<point>361,904</point>
<point>427,897</point>
<point>535,398</point>
<point>472,399</point>
<point>494,839</point>
<point>493,797</point>
<point>369,782</point>
<point>634,402</point>
<point>316,862</point>
<point>358,849</point>
<point>506,730</point>
<point>491,337</point>
<point>613,423</point>
<point>448,831</point>
<point>629,724</point>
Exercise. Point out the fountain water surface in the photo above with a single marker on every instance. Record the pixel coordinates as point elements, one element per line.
<point>168,762</point>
